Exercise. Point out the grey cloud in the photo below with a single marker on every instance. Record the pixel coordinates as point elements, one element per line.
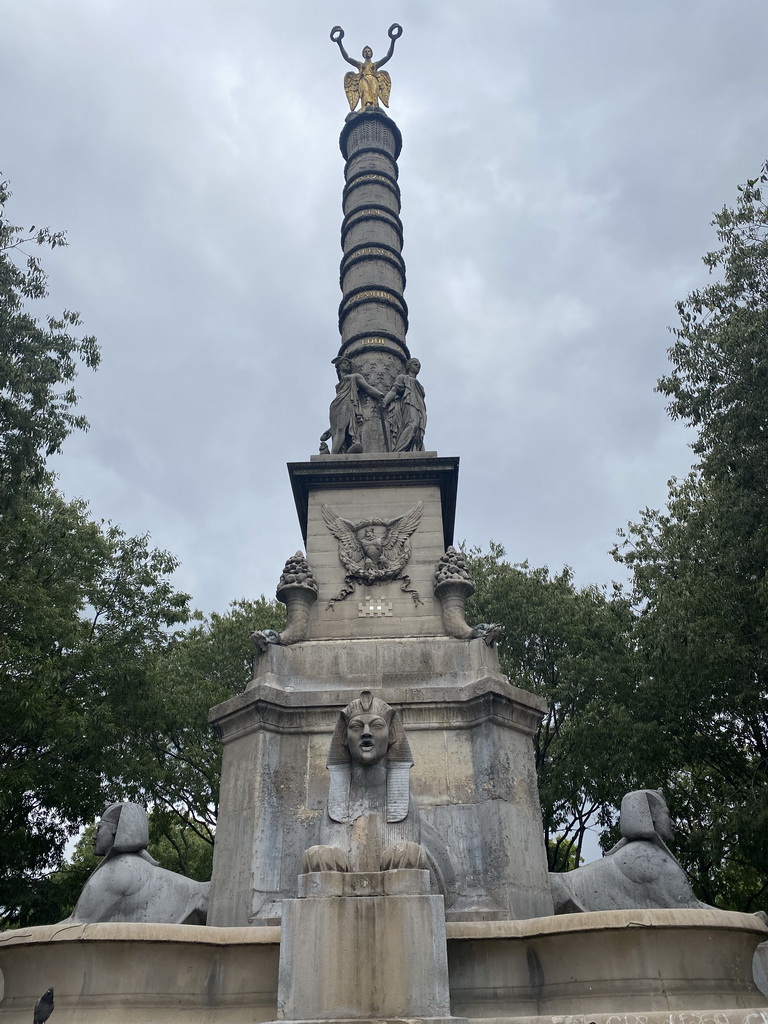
<point>560,166</point>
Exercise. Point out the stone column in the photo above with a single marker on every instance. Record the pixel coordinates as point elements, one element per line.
<point>373,316</point>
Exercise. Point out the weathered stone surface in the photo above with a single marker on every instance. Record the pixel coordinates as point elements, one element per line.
<point>374,550</point>
<point>390,592</point>
<point>404,667</point>
<point>363,957</point>
<point>297,590</point>
<point>760,968</point>
<point>619,967</point>
<point>350,407</point>
<point>406,411</point>
<point>473,779</point>
<point>650,965</point>
<point>129,885</point>
<point>393,469</point>
<point>453,585</point>
<point>639,872</point>
<point>402,882</point>
<point>147,973</point>
<point>370,821</point>
<point>400,603</point>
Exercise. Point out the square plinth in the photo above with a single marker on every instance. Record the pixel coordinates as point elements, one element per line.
<point>375,530</point>
<point>382,470</point>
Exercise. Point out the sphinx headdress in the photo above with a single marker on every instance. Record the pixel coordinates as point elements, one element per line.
<point>398,758</point>
<point>132,828</point>
<point>636,819</point>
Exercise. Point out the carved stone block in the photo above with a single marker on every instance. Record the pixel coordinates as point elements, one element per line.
<point>473,778</point>
<point>364,957</point>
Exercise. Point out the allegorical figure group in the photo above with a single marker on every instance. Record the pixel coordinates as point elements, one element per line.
<point>403,411</point>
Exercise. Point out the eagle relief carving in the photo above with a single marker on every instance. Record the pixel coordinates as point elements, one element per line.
<point>375,550</point>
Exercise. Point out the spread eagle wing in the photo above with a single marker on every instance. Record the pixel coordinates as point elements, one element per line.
<point>385,86</point>
<point>397,546</point>
<point>352,88</point>
<point>351,554</point>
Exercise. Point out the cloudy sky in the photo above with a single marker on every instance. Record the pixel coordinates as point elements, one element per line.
<point>560,167</point>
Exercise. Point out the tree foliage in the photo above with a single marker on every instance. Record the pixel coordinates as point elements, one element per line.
<point>102,695</point>
<point>84,609</point>
<point>180,757</point>
<point>700,568</point>
<point>572,647</point>
<point>172,759</point>
<point>38,361</point>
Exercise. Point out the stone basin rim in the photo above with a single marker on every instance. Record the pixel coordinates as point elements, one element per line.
<point>137,932</point>
<point>605,920</point>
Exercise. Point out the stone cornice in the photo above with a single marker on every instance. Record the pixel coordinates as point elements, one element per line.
<point>265,708</point>
<point>385,470</point>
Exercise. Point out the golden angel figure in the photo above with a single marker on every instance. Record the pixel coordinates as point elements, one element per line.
<point>368,85</point>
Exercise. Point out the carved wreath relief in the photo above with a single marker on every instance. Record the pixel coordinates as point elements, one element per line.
<point>374,550</point>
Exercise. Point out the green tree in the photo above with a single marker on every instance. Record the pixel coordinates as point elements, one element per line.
<point>38,362</point>
<point>53,896</point>
<point>180,757</point>
<point>173,760</point>
<point>84,609</point>
<point>700,569</point>
<point>573,647</point>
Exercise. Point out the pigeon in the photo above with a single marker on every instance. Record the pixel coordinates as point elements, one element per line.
<point>264,637</point>
<point>44,1007</point>
<point>489,631</point>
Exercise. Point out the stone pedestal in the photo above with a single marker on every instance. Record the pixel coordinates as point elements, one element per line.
<point>473,777</point>
<point>362,946</point>
<point>362,488</point>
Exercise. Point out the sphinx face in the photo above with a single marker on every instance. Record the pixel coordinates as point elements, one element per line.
<point>367,738</point>
<point>662,822</point>
<point>104,839</point>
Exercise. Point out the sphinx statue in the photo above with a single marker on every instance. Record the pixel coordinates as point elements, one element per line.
<point>129,884</point>
<point>370,821</point>
<point>639,873</point>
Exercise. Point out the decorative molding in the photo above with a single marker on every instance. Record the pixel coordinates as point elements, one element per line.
<point>371,213</point>
<point>371,178</point>
<point>393,470</point>
<point>383,341</point>
<point>248,712</point>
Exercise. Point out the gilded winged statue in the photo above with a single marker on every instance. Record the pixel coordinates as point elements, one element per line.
<point>371,557</point>
<point>369,84</point>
